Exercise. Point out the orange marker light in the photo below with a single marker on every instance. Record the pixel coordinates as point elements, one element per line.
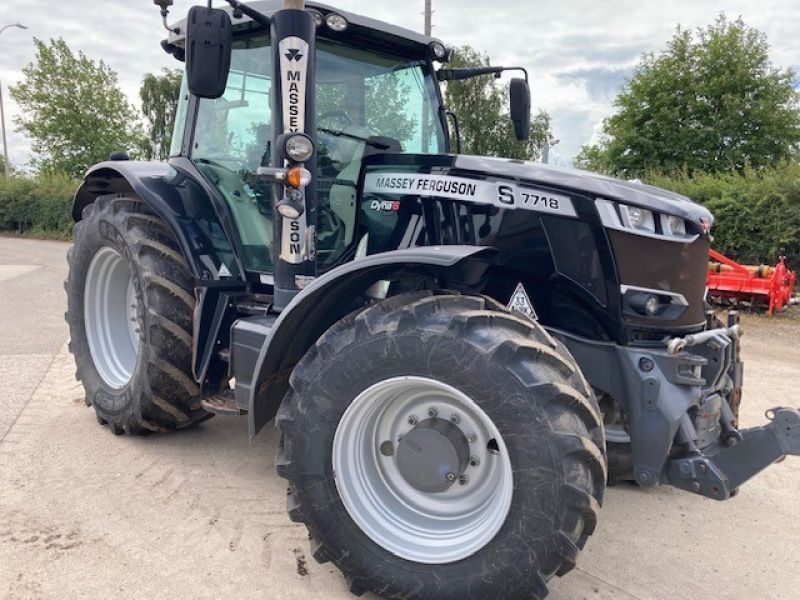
<point>298,177</point>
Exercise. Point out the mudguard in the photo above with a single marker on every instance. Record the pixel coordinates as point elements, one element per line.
<point>331,297</point>
<point>177,192</point>
<point>180,196</point>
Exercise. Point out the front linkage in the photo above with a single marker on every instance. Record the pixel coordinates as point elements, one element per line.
<point>719,473</point>
<point>719,470</point>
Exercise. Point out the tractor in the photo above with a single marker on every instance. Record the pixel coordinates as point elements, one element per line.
<point>460,352</point>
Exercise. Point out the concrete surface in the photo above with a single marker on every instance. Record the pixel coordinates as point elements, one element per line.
<point>32,327</point>
<point>200,514</point>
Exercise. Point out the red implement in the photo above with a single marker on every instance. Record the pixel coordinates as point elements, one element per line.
<point>728,281</point>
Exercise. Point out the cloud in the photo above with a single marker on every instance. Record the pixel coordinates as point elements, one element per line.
<point>602,83</point>
<point>577,51</point>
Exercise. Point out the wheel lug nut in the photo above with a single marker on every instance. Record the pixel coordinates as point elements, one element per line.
<point>472,438</point>
<point>474,461</point>
<point>451,477</point>
<point>463,480</point>
<point>387,448</point>
<point>412,420</point>
<point>433,413</point>
<point>455,419</point>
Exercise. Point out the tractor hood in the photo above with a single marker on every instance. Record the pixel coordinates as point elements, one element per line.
<point>565,180</point>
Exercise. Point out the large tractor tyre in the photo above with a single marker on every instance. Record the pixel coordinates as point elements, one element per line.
<point>438,446</point>
<point>130,305</point>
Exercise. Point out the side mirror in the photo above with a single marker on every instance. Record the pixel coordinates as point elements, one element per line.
<point>521,108</point>
<point>209,43</point>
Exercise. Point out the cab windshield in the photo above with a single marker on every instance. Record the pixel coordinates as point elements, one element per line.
<point>367,103</point>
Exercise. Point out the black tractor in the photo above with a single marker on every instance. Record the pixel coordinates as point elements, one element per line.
<point>460,352</point>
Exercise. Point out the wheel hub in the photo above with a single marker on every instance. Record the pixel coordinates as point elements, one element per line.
<point>396,472</point>
<point>433,455</point>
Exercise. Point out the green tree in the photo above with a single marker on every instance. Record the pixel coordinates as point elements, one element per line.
<point>711,102</point>
<point>159,94</point>
<point>482,108</point>
<point>73,109</point>
<point>386,102</point>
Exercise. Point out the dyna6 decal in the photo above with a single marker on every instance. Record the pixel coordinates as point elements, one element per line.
<point>497,193</point>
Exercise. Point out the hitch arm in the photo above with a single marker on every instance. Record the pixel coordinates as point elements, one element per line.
<point>719,475</point>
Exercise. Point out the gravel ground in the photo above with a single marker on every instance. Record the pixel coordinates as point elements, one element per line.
<point>200,514</point>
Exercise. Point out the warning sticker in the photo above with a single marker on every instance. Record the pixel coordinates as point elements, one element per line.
<point>521,303</point>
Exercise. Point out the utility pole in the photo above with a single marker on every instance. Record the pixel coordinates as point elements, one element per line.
<point>6,164</point>
<point>428,17</point>
<point>426,129</point>
<point>546,149</point>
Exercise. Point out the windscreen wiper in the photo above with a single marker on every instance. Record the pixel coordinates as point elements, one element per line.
<point>352,136</point>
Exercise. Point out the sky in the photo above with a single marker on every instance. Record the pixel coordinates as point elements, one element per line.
<point>578,52</point>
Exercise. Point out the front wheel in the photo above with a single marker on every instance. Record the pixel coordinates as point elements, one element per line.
<point>438,446</point>
<point>130,306</point>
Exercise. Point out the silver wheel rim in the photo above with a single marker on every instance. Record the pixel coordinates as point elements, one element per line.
<point>110,315</point>
<point>431,528</point>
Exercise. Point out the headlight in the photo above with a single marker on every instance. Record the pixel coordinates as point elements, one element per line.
<point>336,22</point>
<point>674,225</point>
<point>638,218</point>
<point>641,221</point>
<point>299,148</point>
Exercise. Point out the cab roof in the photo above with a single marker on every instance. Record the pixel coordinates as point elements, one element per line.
<point>362,29</point>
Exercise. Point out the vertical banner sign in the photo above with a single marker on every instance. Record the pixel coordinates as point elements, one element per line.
<point>294,76</point>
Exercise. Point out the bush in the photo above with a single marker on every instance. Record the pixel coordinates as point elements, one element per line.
<point>757,211</point>
<point>39,206</point>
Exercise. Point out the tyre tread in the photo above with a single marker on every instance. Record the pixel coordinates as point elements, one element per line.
<point>170,397</point>
<point>517,341</point>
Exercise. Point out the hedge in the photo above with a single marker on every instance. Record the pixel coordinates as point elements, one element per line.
<point>757,212</point>
<point>39,206</point>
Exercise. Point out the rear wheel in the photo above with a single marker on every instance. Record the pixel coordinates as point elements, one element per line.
<point>438,446</point>
<point>130,306</point>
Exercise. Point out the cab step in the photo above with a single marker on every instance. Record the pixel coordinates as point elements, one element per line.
<point>223,404</point>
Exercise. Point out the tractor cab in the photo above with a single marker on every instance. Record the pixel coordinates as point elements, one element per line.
<point>375,93</point>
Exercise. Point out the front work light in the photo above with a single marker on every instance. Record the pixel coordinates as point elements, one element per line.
<point>319,20</point>
<point>336,22</point>
<point>439,51</point>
